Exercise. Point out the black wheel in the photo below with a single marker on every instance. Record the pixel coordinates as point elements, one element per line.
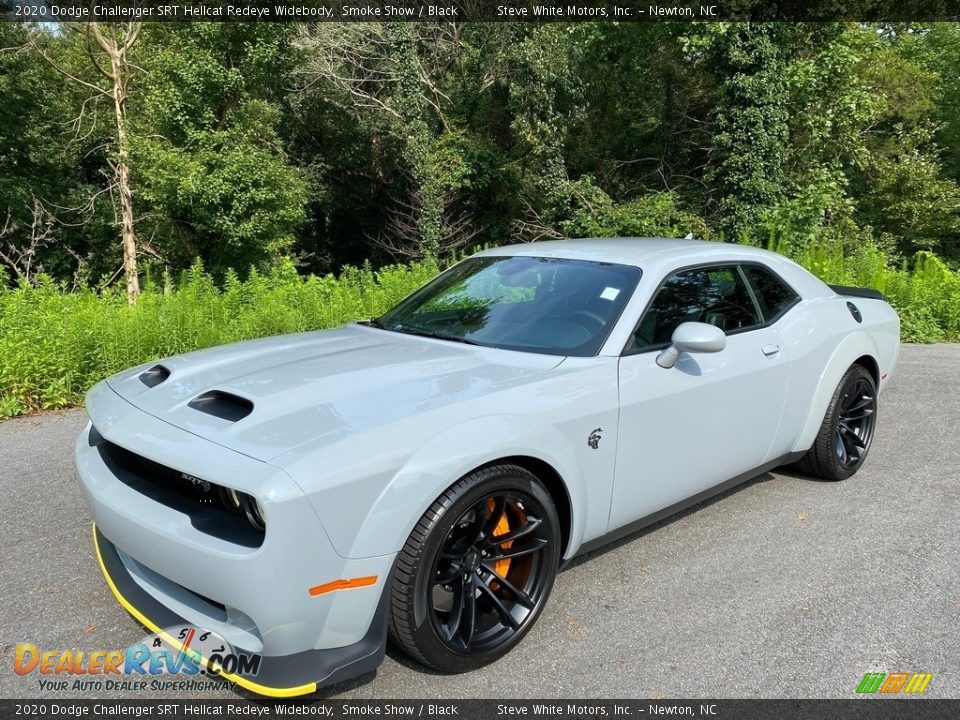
<point>844,438</point>
<point>476,571</point>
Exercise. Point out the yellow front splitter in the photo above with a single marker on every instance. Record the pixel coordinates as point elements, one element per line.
<point>329,666</point>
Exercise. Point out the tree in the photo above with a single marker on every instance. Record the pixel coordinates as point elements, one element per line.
<point>212,171</point>
<point>112,42</point>
<point>394,77</point>
<point>943,44</point>
<point>335,144</point>
<point>750,122</point>
<point>48,191</point>
<point>902,187</point>
<point>546,100</point>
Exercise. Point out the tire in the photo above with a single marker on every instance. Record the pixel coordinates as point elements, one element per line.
<point>456,568</point>
<point>846,433</point>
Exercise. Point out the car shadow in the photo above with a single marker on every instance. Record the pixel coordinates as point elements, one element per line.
<point>791,471</point>
<point>644,531</point>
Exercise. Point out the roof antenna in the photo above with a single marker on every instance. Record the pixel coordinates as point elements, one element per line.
<point>688,236</point>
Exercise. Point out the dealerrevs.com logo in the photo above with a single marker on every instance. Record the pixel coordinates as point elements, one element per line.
<point>894,683</point>
<point>177,658</point>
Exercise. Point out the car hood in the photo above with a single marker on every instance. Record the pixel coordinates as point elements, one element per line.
<point>265,397</point>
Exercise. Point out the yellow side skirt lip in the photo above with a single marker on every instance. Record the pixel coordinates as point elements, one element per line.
<point>146,622</point>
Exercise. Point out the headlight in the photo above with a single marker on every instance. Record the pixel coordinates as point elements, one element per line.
<point>231,499</point>
<point>254,513</point>
<point>241,503</point>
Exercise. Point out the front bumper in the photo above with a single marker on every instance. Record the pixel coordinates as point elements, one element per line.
<point>278,676</point>
<point>163,566</point>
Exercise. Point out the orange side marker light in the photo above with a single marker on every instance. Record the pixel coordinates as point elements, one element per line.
<point>343,584</point>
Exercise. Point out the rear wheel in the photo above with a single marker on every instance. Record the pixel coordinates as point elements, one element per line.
<point>476,572</point>
<point>844,438</point>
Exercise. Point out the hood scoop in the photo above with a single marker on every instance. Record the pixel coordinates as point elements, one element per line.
<point>154,376</point>
<point>223,405</point>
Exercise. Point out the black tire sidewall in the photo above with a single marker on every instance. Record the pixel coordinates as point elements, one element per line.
<point>425,636</point>
<point>855,373</point>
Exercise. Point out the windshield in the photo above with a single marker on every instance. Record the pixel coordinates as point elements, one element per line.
<point>545,305</point>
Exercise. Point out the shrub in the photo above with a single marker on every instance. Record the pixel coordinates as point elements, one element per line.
<point>926,296</point>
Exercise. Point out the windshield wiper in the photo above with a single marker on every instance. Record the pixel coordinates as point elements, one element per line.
<point>438,335</point>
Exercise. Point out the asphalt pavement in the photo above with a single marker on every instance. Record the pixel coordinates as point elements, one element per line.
<point>784,587</point>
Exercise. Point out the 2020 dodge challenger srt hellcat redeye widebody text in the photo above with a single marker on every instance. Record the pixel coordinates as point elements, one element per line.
<point>425,473</point>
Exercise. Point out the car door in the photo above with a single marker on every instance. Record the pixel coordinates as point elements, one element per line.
<point>710,417</point>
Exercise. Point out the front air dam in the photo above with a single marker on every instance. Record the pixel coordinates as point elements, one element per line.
<point>278,676</point>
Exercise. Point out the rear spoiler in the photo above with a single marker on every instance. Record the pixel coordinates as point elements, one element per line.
<point>857,292</point>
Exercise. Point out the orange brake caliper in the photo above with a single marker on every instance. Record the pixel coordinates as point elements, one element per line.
<point>503,527</point>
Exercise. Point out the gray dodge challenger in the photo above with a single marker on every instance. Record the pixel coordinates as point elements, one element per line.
<point>423,475</point>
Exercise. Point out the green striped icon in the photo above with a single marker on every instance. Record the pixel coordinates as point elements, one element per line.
<point>893,683</point>
<point>871,682</point>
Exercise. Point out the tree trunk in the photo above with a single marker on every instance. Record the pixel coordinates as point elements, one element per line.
<point>122,171</point>
<point>115,49</point>
<point>427,193</point>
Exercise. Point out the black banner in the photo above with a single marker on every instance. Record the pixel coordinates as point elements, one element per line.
<point>859,708</point>
<point>476,10</point>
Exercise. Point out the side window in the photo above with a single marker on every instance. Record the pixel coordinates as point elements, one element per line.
<point>773,295</point>
<point>714,295</point>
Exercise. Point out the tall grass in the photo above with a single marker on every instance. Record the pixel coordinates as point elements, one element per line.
<point>55,344</point>
<point>925,292</point>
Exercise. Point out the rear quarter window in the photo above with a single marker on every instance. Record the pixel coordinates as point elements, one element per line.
<point>773,295</point>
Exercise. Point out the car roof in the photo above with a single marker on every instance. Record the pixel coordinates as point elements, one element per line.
<point>632,250</point>
<point>657,257</point>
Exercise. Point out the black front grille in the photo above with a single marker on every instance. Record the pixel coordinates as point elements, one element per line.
<point>172,480</point>
<point>195,497</point>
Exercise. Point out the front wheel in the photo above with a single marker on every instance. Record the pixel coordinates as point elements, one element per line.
<point>844,438</point>
<point>476,572</point>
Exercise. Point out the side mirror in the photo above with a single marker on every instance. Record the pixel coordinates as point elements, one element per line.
<point>694,337</point>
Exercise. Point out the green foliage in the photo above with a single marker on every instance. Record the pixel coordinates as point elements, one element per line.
<point>594,214</point>
<point>51,155</point>
<point>751,121</point>
<point>940,55</point>
<point>26,121</point>
<point>208,159</point>
<point>334,144</point>
<point>329,146</point>
<point>925,293</point>
<point>54,344</point>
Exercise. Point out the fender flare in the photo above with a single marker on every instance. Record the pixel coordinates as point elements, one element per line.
<point>850,349</point>
<point>455,452</point>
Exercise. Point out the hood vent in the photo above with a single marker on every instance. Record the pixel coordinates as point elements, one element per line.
<point>154,376</point>
<point>222,405</point>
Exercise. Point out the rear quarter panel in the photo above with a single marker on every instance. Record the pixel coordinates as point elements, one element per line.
<point>824,340</point>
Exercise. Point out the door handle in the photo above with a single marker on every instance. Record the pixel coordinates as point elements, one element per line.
<point>771,349</point>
